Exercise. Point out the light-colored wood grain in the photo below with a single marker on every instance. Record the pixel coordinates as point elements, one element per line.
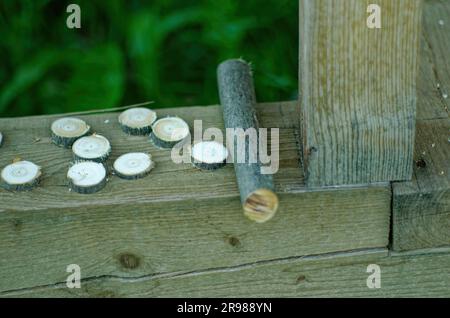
<point>342,275</point>
<point>177,218</point>
<point>358,90</point>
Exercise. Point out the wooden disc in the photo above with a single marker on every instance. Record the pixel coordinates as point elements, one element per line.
<point>169,131</point>
<point>209,155</point>
<point>95,147</point>
<point>65,131</point>
<point>87,177</point>
<point>133,165</point>
<point>261,205</point>
<point>20,175</point>
<point>137,121</point>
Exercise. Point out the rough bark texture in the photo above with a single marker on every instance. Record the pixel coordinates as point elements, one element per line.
<point>65,142</point>
<point>163,144</point>
<point>143,131</point>
<point>20,187</point>
<point>237,96</point>
<point>208,166</point>
<point>87,190</point>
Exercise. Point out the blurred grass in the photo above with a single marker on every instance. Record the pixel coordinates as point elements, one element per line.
<point>133,51</point>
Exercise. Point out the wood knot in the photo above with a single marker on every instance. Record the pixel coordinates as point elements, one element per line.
<point>17,224</point>
<point>234,241</point>
<point>301,279</point>
<point>312,150</point>
<point>129,261</point>
<point>105,294</point>
<point>421,163</point>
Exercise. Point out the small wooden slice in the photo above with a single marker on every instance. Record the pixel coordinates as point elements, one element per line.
<point>133,165</point>
<point>209,155</point>
<point>137,121</point>
<point>94,148</point>
<point>168,132</point>
<point>20,176</point>
<point>87,177</point>
<point>65,131</point>
<point>261,205</point>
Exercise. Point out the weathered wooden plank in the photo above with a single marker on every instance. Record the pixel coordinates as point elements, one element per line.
<point>431,86</point>
<point>358,90</point>
<point>178,218</point>
<point>434,79</point>
<point>185,235</point>
<point>421,207</point>
<point>344,275</point>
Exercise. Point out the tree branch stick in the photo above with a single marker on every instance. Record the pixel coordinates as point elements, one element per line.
<point>237,96</point>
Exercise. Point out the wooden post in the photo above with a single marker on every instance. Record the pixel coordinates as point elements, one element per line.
<point>358,89</point>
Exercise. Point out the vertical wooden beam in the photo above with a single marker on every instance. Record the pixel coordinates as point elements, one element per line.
<point>358,90</point>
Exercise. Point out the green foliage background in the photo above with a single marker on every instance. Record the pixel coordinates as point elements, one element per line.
<point>133,51</point>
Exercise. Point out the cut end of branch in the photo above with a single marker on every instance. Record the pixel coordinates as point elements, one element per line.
<point>86,177</point>
<point>261,205</point>
<point>65,131</point>
<point>137,121</point>
<point>20,176</point>
<point>133,166</point>
<point>169,131</point>
<point>96,148</point>
<point>209,155</point>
